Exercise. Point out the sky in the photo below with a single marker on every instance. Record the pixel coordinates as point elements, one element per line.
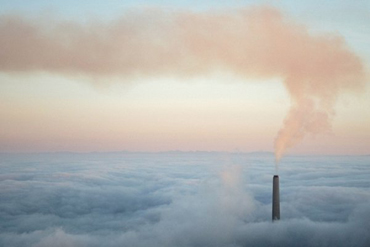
<point>283,76</point>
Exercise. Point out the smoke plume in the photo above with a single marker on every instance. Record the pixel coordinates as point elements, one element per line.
<point>256,42</point>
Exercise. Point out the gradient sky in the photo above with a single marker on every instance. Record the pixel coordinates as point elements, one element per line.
<point>43,111</point>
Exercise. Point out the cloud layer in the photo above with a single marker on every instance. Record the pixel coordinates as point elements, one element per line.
<point>182,199</point>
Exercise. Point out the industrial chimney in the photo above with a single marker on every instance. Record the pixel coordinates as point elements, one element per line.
<point>275,199</point>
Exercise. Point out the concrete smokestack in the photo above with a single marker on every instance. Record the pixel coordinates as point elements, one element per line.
<point>275,199</point>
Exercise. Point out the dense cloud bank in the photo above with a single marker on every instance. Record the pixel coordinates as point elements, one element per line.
<point>182,199</point>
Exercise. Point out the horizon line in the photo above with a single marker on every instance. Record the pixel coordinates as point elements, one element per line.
<point>169,151</point>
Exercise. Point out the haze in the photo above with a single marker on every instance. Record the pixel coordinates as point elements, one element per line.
<point>175,76</point>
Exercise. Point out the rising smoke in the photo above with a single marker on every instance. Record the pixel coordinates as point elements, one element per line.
<point>256,42</point>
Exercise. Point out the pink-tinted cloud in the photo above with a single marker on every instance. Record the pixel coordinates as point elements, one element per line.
<point>257,42</point>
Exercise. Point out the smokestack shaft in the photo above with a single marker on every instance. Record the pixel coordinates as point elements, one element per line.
<point>275,198</point>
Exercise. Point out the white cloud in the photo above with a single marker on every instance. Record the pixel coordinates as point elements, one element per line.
<point>182,199</point>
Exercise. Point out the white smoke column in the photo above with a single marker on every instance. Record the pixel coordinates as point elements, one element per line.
<point>233,198</point>
<point>256,42</point>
